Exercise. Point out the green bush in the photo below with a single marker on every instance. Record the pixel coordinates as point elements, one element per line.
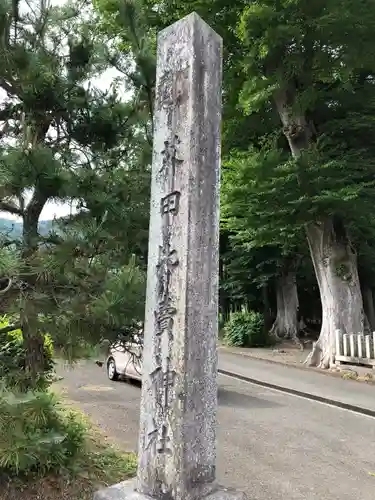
<point>13,356</point>
<point>35,435</point>
<point>246,329</point>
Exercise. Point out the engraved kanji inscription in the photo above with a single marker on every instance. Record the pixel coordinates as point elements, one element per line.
<point>163,443</point>
<point>171,93</point>
<point>164,318</point>
<point>172,89</point>
<point>166,91</point>
<point>160,435</point>
<point>171,157</point>
<point>171,203</point>
<point>162,381</point>
<point>168,260</point>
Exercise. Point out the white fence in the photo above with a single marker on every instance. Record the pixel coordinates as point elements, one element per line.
<point>355,348</point>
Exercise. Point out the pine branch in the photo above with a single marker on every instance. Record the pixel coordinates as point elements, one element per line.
<point>52,239</point>
<point>10,328</point>
<point>9,243</point>
<point>7,86</point>
<point>11,208</point>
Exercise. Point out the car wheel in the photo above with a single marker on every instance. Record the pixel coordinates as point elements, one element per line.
<point>111,370</point>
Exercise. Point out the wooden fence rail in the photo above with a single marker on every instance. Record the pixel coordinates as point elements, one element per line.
<point>355,348</point>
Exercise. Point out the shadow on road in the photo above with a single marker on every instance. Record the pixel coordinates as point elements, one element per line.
<point>239,400</point>
<point>132,382</point>
<point>229,398</point>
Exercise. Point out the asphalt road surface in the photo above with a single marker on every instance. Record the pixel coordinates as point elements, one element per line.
<point>271,445</point>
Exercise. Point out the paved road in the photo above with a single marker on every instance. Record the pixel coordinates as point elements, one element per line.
<point>273,446</point>
<point>303,380</point>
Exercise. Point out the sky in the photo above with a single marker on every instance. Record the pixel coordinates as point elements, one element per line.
<point>54,210</point>
<point>51,210</point>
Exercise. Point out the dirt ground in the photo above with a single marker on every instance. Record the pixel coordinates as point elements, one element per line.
<point>286,353</point>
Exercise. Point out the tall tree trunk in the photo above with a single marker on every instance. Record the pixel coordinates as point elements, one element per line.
<point>34,343</point>
<point>333,257</point>
<point>335,266</point>
<point>368,303</point>
<point>222,294</point>
<point>286,323</point>
<point>33,338</point>
<point>266,308</point>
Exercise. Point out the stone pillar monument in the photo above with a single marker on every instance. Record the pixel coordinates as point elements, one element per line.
<point>177,441</point>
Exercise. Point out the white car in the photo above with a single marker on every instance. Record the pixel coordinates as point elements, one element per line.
<point>125,361</point>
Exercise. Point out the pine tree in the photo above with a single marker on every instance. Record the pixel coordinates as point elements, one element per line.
<point>63,139</point>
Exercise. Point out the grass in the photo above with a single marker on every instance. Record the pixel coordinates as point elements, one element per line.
<point>99,465</point>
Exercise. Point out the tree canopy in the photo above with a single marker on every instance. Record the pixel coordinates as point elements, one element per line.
<point>76,117</point>
<point>67,139</point>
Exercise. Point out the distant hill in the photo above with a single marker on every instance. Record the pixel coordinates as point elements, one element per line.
<point>14,228</point>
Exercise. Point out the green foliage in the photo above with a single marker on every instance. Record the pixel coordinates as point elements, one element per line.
<point>13,356</point>
<point>67,140</point>
<point>246,329</point>
<point>122,298</point>
<point>113,310</point>
<point>95,465</point>
<point>64,138</point>
<point>305,50</point>
<point>111,460</point>
<point>259,206</point>
<point>35,436</point>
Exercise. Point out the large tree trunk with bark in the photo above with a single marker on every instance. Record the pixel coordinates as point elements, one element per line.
<point>286,323</point>
<point>33,338</point>
<point>335,266</point>
<point>368,304</point>
<point>34,344</point>
<point>267,314</point>
<point>333,257</point>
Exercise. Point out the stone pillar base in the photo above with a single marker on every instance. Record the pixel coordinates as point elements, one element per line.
<point>126,491</point>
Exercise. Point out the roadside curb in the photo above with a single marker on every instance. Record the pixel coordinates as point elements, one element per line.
<point>311,369</point>
<point>294,392</point>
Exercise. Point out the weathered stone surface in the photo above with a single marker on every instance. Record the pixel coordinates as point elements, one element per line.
<point>177,446</point>
<point>120,491</point>
<point>179,391</point>
<point>126,491</point>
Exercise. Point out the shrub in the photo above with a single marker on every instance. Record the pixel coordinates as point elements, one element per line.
<point>13,356</point>
<point>35,435</point>
<point>246,329</point>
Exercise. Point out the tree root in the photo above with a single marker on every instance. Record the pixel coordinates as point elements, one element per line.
<point>298,342</point>
<point>274,332</point>
<point>316,358</point>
